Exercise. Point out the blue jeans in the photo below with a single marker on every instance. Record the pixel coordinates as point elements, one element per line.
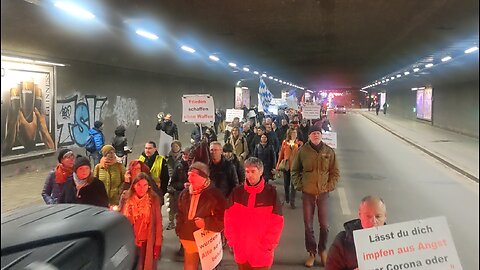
<point>309,204</point>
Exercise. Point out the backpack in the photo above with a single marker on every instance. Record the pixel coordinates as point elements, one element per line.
<point>90,144</point>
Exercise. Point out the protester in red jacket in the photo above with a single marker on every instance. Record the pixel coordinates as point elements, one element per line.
<point>253,219</point>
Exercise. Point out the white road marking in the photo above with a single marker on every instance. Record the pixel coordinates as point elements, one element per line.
<point>343,201</point>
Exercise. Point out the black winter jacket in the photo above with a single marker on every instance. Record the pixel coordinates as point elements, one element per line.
<point>267,155</point>
<point>238,168</point>
<point>342,254</point>
<point>211,207</point>
<point>224,176</point>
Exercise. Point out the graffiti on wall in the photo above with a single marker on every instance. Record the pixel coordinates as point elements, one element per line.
<point>76,116</point>
<point>125,111</point>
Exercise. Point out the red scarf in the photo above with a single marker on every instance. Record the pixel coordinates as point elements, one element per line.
<point>62,173</point>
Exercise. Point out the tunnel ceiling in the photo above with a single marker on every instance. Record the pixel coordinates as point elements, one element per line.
<point>316,44</point>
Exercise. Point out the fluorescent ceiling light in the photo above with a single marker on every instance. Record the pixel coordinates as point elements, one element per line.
<point>49,63</point>
<point>406,73</point>
<point>471,49</point>
<point>188,49</point>
<point>232,64</point>
<point>399,75</point>
<point>74,10</point>
<point>275,79</point>
<point>383,81</point>
<point>414,88</point>
<point>264,75</point>
<point>445,59</point>
<point>387,80</point>
<point>416,69</point>
<point>429,65</point>
<point>17,59</point>
<point>270,77</point>
<point>246,69</point>
<point>26,60</point>
<point>280,81</point>
<point>146,34</point>
<point>255,72</point>
<point>421,88</point>
<point>393,78</point>
<point>214,58</point>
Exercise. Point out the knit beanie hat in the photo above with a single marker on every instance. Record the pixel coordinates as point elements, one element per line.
<point>62,153</point>
<point>314,128</point>
<point>106,148</point>
<point>200,168</point>
<point>81,161</point>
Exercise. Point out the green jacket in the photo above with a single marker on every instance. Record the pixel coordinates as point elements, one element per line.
<point>113,178</point>
<point>315,173</point>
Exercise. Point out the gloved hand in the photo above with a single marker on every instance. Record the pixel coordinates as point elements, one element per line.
<point>157,252</point>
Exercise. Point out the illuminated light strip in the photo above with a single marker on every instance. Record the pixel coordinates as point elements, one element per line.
<point>447,58</point>
<point>429,65</point>
<point>232,64</point>
<point>214,58</point>
<point>146,34</point>
<point>246,69</point>
<point>75,10</point>
<point>470,50</point>
<point>188,49</point>
<point>31,61</point>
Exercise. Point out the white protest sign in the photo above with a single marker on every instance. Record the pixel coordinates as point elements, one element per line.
<point>164,143</point>
<point>311,111</point>
<point>198,109</point>
<point>330,138</point>
<point>419,244</point>
<point>210,248</point>
<point>232,113</point>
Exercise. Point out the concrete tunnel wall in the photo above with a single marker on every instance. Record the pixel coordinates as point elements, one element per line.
<point>455,95</point>
<point>122,96</point>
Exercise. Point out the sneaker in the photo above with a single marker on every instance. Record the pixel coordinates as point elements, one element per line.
<point>323,257</point>
<point>310,260</point>
<point>171,226</point>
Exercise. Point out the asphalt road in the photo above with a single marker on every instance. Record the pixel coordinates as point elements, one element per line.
<point>373,161</point>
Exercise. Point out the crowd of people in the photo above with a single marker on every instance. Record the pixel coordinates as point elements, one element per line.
<point>220,187</point>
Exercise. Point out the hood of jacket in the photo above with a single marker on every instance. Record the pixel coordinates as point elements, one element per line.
<point>94,131</point>
<point>351,226</point>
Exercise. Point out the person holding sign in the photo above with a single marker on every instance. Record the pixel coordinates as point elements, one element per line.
<point>200,206</point>
<point>315,172</point>
<point>253,219</point>
<point>341,255</point>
